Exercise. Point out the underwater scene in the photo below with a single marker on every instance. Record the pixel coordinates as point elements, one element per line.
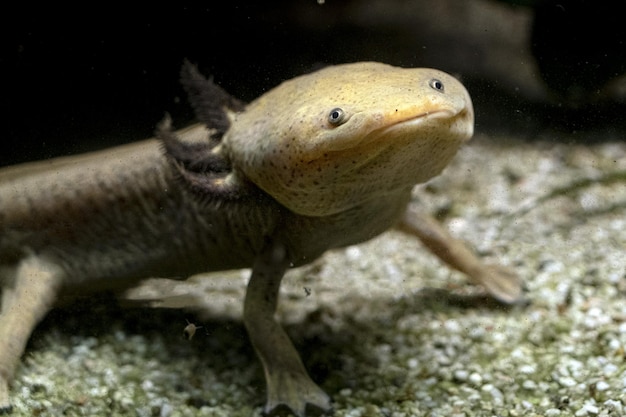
<point>316,208</point>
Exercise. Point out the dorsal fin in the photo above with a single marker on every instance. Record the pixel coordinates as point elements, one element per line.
<point>209,101</point>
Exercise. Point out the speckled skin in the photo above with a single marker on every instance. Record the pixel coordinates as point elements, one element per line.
<point>397,130</point>
<point>324,160</point>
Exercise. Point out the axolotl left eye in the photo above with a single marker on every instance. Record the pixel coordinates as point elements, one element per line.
<point>436,85</point>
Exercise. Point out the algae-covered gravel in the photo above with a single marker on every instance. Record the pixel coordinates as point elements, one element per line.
<point>383,327</point>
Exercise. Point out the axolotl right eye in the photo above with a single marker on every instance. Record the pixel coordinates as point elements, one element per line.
<point>336,116</point>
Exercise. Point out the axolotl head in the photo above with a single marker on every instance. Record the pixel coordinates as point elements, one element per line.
<point>330,140</point>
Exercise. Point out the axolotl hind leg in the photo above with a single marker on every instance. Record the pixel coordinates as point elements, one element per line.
<point>28,292</point>
<point>501,282</point>
<point>287,381</point>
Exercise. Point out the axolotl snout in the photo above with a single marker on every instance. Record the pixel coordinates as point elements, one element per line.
<point>324,160</point>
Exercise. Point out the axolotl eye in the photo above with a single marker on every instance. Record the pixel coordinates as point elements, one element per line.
<point>336,116</point>
<point>436,85</point>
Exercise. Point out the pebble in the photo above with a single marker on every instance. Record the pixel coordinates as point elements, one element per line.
<point>602,386</point>
<point>527,369</point>
<point>615,405</point>
<point>566,381</point>
<point>475,378</point>
<point>461,375</point>
<point>587,410</point>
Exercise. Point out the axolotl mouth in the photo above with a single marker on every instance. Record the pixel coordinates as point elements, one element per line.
<point>451,123</point>
<point>406,152</point>
<point>446,126</point>
<point>460,124</point>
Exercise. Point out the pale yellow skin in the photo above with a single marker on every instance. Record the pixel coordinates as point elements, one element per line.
<point>335,153</point>
<point>397,131</point>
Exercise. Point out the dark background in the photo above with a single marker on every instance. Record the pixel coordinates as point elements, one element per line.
<point>93,75</point>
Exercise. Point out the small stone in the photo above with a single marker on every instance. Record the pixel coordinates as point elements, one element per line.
<point>615,406</point>
<point>495,393</point>
<point>587,410</point>
<point>461,375</point>
<point>166,410</point>
<point>567,382</point>
<point>602,386</point>
<point>609,369</point>
<point>413,363</point>
<point>475,378</point>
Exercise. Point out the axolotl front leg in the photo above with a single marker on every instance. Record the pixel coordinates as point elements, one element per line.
<point>287,381</point>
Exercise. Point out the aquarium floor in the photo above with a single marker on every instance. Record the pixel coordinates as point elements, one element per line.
<point>383,327</point>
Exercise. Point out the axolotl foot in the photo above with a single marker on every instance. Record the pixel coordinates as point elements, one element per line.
<point>294,390</point>
<point>5,405</point>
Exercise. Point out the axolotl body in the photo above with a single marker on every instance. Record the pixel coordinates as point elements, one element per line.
<point>322,161</point>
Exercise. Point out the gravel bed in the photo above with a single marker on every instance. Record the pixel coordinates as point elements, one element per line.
<point>383,327</point>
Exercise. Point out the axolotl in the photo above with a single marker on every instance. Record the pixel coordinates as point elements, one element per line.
<point>322,161</point>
